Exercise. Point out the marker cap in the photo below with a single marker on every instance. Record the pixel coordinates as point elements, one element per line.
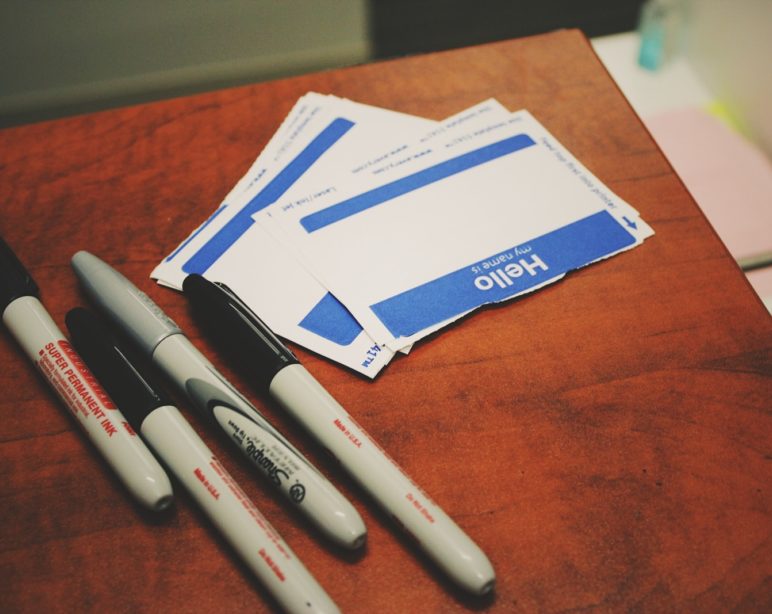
<point>246,335</point>
<point>135,394</point>
<point>144,321</point>
<point>15,281</point>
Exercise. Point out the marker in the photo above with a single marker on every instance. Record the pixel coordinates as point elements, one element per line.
<point>207,481</point>
<point>755,261</point>
<point>287,381</point>
<point>162,340</point>
<point>48,349</point>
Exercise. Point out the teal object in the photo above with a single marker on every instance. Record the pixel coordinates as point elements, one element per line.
<point>652,51</point>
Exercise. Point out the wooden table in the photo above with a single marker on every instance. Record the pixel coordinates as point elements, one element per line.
<point>606,440</point>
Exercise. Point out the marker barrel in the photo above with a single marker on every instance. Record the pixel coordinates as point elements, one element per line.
<point>437,534</point>
<point>45,345</point>
<point>276,458</point>
<point>234,514</point>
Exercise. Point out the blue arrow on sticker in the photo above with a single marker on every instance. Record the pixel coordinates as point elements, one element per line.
<point>630,223</point>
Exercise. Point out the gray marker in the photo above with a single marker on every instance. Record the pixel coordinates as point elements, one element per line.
<point>163,341</point>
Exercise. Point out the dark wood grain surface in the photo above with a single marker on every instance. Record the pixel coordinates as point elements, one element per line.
<point>607,440</point>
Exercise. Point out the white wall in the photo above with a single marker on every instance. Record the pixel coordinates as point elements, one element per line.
<point>82,54</point>
<point>729,44</point>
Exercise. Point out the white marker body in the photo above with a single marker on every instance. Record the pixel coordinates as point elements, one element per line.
<point>441,538</point>
<point>271,453</point>
<point>233,513</point>
<point>45,345</point>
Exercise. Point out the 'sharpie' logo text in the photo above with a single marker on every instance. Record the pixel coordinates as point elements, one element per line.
<point>261,460</point>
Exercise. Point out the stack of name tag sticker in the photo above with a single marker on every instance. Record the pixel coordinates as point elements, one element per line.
<point>358,230</point>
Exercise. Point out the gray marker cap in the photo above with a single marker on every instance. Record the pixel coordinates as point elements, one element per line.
<point>129,307</point>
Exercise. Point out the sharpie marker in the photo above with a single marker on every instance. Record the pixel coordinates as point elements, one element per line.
<point>207,481</point>
<point>48,349</point>
<point>162,340</point>
<point>301,395</point>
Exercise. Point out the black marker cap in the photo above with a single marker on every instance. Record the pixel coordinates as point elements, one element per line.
<point>15,281</point>
<point>135,394</point>
<point>237,329</point>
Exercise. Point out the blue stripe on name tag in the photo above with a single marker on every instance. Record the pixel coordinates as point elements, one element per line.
<point>503,274</point>
<point>219,243</point>
<point>384,193</point>
<point>331,320</point>
<point>182,245</point>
